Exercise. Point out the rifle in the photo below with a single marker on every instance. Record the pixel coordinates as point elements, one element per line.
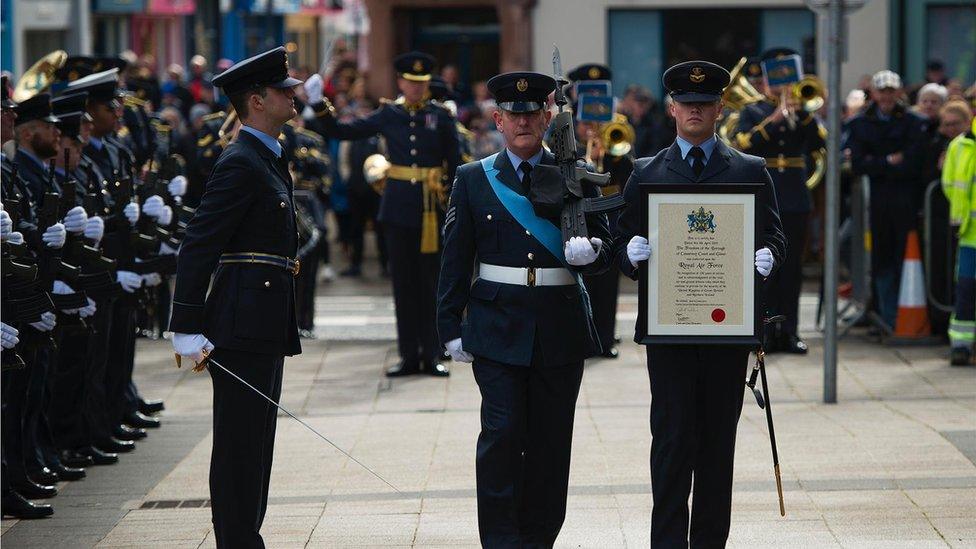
<point>51,266</point>
<point>562,141</point>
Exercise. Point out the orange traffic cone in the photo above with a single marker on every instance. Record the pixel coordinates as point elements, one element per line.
<point>912,324</point>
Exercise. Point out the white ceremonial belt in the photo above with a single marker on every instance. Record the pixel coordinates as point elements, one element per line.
<point>526,276</point>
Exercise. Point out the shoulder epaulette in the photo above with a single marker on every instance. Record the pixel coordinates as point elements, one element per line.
<point>133,101</point>
<point>311,135</point>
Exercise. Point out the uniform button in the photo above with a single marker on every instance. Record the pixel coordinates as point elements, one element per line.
<point>531,256</point>
<point>413,152</point>
<point>412,124</point>
<point>413,180</point>
<point>781,170</point>
<point>781,142</point>
<point>528,233</point>
<point>267,283</point>
<point>281,205</point>
<point>413,165</point>
<point>489,217</point>
<point>413,138</point>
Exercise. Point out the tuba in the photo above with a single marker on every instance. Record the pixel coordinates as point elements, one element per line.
<point>736,96</point>
<point>40,76</point>
<point>810,92</point>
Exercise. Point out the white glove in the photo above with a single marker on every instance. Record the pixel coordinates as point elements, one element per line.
<point>61,288</point>
<point>47,323</point>
<point>76,220</point>
<point>580,251</point>
<point>313,88</point>
<point>129,280</point>
<point>177,186</point>
<point>764,261</point>
<point>458,354</point>
<point>54,236</point>
<point>164,249</point>
<point>152,279</point>
<point>153,206</point>
<point>87,310</point>
<point>191,346</point>
<point>131,212</point>
<point>16,237</point>
<point>95,228</point>
<point>6,225</point>
<point>165,216</point>
<point>638,249</point>
<point>8,336</point>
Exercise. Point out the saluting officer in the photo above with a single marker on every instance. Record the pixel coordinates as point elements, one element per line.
<point>528,326</point>
<point>765,131</point>
<point>244,235</point>
<point>422,146</point>
<point>696,390</point>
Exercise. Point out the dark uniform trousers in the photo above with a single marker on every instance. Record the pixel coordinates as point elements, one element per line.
<point>243,427</point>
<point>528,344</point>
<point>414,277</point>
<point>696,390</point>
<point>783,289</point>
<point>527,416</point>
<point>249,316</point>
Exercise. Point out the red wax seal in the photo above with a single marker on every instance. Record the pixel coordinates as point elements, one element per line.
<point>718,315</point>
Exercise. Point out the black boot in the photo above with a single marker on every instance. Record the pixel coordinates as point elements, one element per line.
<point>150,407</point>
<point>99,457</point>
<point>124,432</point>
<point>17,506</point>
<point>403,368</point>
<point>142,421</point>
<point>32,490</point>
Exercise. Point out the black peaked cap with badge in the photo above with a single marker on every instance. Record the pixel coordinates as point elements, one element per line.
<point>268,69</point>
<point>695,82</point>
<point>101,87</point>
<point>414,65</point>
<point>753,68</point>
<point>590,71</point>
<point>35,108</point>
<point>521,91</point>
<point>71,112</point>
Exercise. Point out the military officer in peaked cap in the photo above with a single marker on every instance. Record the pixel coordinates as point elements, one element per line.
<point>527,327</point>
<point>422,146</point>
<point>696,390</point>
<point>244,235</point>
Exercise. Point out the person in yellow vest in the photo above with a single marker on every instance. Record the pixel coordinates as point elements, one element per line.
<point>959,186</point>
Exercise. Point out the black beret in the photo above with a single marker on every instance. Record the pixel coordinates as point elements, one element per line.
<point>8,103</point>
<point>414,65</point>
<point>521,91</point>
<point>776,53</point>
<point>696,82</point>
<point>590,71</point>
<point>265,69</point>
<point>35,108</point>
<point>439,90</point>
<point>102,87</point>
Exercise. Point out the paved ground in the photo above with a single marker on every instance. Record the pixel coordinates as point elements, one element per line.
<point>891,465</point>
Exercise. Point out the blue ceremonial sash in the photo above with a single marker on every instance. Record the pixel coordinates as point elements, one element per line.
<point>521,209</point>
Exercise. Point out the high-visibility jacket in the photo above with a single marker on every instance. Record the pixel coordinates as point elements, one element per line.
<point>959,185</point>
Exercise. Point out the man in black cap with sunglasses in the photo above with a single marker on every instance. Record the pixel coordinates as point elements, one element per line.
<point>244,235</point>
<point>696,390</point>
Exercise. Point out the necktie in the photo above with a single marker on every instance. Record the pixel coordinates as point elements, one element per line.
<point>698,162</point>
<point>525,168</point>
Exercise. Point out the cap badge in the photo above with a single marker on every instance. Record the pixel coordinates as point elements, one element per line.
<point>594,73</point>
<point>522,85</point>
<point>754,70</point>
<point>697,75</point>
<point>418,66</point>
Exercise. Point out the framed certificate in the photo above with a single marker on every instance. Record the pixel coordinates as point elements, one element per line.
<point>700,285</point>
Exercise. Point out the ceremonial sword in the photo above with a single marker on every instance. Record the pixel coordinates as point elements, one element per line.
<point>207,358</point>
<point>760,370</point>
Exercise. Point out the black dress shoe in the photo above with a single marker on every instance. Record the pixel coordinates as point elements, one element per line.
<point>137,419</point>
<point>612,352</point>
<point>75,459</point>
<point>99,457</point>
<point>114,445</point>
<point>794,346</point>
<point>124,432</point>
<point>31,490</point>
<point>403,368</point>
<point>436,369</point>
<point>43,476</point>
<point>16,506</point>
<point>150,407</point>
<point>69,473</point>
